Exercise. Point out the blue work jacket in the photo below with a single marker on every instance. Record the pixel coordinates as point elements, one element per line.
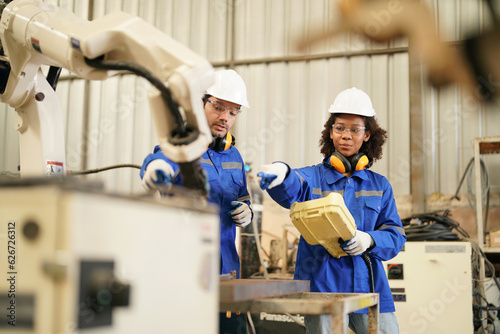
<point>370,199</point>
<point>226,176</point>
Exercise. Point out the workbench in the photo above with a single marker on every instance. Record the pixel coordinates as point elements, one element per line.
<point>293,297</point>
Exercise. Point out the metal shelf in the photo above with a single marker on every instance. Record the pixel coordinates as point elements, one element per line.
<point>483,145</point>
<point>491,250</point>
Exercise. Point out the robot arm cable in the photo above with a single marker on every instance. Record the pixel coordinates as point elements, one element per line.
<point>53,76</point>
<point>137,69</point>
<point>102,169</point>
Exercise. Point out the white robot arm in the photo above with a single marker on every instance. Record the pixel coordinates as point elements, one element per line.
<point>34,33</point>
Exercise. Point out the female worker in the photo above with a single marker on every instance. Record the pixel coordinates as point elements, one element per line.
<point>350,142</point>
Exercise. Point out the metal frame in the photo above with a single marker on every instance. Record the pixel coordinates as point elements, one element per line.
<point>482,145</point>
<point>293,297</point>
<point>337,305</point>
<point>243,290</point>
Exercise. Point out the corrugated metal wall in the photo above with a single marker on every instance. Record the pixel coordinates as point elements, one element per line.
<point>289,92</point>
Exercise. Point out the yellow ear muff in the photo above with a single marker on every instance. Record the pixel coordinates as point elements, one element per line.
<point>229,141</point>
<point>340,163</point>
<point>360,161</point>
<point>222,144</point>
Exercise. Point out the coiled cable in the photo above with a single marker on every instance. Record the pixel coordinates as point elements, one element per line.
<point>434,226</point>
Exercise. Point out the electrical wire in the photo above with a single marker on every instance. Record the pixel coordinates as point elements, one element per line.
<point>250,322</point>
<point>477,253</point>
<point>53,76</point>
<point>182,134</point>
<point>463,178</point>
<point>78,172</point>
<point>98,170</point>
<point>485,184</point>
<point>490,267</point>
<point>434,226</point>
<point>485,197</point>
<point>368,262</point>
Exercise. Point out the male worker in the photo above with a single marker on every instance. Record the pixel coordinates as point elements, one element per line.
<point>225,170</point>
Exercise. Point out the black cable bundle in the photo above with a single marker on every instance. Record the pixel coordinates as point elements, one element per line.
<point>434,226</point>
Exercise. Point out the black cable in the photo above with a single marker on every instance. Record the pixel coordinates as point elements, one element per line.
<point>368,262</point>
<point>434,226</point>
<point>463,178</point>
<point>97,170</point>
<point>53,76</point>
<point>194,176</point>
<point>488,308</point>
<point>483,167</point>
<point>182,133</point>
<point>486,210</point>
<point>430,232</point>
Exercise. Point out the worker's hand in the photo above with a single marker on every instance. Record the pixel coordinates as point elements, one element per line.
<point>241,213</point>
<point>272,175</point>
<point>158,176</point>
<point>357,244</point>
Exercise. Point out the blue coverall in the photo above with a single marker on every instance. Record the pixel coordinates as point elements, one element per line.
<point>226,176</point>
<point>369,198</point>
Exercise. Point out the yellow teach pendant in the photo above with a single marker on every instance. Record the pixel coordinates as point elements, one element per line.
<point>324,221</point>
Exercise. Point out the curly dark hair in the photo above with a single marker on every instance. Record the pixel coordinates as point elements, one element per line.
<point>372,148</point>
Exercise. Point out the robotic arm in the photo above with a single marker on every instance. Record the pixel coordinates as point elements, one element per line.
<point>34,33</point>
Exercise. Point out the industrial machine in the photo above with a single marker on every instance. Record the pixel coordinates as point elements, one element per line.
<point>75,260</point>
<point>431,283</point>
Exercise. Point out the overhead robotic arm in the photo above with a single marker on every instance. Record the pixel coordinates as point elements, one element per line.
<point>34,33</point>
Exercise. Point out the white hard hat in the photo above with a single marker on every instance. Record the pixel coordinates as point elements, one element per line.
<point>353,101</point>
<point>229,86</point>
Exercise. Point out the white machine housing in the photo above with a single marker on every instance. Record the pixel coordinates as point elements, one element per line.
<point>434,294</point>
<point>168,252</point>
